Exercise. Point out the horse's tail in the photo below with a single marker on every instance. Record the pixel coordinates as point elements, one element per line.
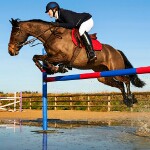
<point>135,80</point>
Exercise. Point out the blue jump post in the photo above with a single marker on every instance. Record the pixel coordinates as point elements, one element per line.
<point>44,97</point>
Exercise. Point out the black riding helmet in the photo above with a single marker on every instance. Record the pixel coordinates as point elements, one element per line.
<point>51,5</point>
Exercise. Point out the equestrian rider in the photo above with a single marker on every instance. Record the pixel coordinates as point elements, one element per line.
<point>69,19</point>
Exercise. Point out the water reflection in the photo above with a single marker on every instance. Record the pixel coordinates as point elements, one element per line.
<point>44,141</point>
<point>11,124</point>
<point>71,135</point>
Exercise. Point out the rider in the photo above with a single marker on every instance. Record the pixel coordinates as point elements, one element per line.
<point>69,19</point>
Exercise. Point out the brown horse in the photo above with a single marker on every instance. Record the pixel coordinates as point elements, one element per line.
<point>60,49</point>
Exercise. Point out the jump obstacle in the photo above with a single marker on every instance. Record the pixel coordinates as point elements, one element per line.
<point>15,100</point>
<point>112,73</point>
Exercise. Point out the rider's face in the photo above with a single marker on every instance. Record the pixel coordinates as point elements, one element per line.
<point>50,13</point>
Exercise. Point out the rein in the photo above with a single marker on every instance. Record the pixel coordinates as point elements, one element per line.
<point>31,41</point>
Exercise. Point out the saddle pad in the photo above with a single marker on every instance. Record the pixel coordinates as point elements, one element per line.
<point>97,46</point>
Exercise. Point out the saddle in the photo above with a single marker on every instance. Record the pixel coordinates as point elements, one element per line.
<point>97,46</point>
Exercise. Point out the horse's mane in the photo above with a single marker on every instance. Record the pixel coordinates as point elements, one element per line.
<point>36,20</point>
<point>15,22</point>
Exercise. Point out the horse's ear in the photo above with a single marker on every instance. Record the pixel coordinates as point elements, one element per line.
<point>14,22</point>
<point>11,21</point>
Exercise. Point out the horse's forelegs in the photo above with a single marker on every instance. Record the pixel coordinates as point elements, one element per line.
<point>37,59</point>
<point>47,66</point>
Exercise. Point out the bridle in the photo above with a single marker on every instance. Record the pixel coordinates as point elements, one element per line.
<point>31,41</point>
<point>52,29</point>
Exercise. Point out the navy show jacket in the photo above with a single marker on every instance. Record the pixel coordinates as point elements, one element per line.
<point>69,19</point>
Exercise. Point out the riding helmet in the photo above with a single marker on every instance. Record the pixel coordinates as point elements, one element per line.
<point>51,5</point>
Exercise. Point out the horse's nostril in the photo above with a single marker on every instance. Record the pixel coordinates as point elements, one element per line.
<point>12,50</point>
<point>10,53</point>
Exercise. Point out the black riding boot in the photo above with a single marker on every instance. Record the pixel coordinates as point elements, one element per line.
<point>88,46</point>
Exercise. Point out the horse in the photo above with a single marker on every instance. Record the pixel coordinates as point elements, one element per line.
<point>60,49</point>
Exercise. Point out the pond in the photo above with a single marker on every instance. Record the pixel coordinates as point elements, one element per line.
<point>23,136</point>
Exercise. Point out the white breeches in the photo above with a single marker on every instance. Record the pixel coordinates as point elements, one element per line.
<point>86,26</point>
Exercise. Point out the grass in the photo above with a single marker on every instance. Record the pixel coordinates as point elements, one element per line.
<point>81,101</point>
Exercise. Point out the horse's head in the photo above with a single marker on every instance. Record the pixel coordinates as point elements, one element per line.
<point>17,38</point>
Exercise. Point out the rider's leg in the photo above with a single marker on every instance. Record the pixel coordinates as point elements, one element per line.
<point>83,29</point>
<point>88,46</point>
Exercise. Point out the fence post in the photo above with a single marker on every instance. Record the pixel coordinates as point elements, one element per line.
<point>88,103</point>
<point>109,105</point>
<point>131,109</point>
<point>30,104</point>
<point>71,103</point>
<point>55,103</point>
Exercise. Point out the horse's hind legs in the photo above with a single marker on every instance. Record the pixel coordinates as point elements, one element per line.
<point>120,85</point>
<point>110,81</point>
<point>130,96</point>
<point>130,99</point>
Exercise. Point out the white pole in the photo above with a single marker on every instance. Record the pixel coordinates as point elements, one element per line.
<point>20,101</point>
<point>14,101</point>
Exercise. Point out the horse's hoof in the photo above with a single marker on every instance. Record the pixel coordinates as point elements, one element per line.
<point>128,102</point>
<point>62,69</point>
<point>69,67</point>
<point>48,71</point>
<point>134,100</point>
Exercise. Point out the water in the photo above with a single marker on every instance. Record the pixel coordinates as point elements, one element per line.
<point>84,137</point>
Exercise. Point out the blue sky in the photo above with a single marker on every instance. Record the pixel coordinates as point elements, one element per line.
<point>125,25</point>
